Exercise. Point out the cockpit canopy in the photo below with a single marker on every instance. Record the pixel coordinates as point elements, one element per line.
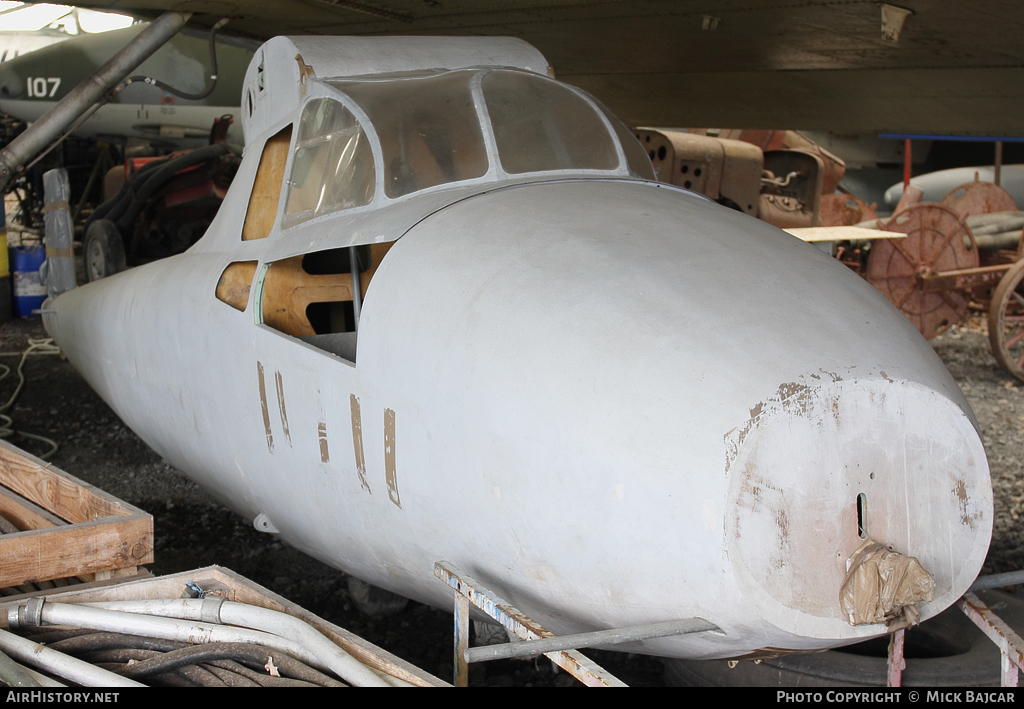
<point>363,142</point>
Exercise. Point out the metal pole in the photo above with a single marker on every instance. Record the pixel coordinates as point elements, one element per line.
<point>907,163</point>
<point>48,128</point>
<point>357,295</point>
<point>1009,578</point>
<point>896,663</point>
<point>529,648</point>
<point>998,162</point>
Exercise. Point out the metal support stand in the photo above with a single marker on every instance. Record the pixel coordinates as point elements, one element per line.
<point>468,590</point>
<point>896,663</point>
<point>538,641</point>
<point>1011,646</point>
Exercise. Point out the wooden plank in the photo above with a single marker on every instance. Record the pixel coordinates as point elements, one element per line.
<point>75,582</point>
<point>841,233</point>
<point>70,528</point>
<point>70,550</point>
<point>25,514</point>
<point>266,190</point>
<point>288,290</point>
<point>64,495</point>
<point>234,284</point>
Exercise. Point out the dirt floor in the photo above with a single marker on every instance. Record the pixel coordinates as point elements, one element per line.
<point>193,531</point>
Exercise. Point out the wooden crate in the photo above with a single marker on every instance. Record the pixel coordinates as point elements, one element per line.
<point>70,528</point>
<point>223,582</point>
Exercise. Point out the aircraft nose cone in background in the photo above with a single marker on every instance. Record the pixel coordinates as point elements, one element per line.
<point>677,392</point>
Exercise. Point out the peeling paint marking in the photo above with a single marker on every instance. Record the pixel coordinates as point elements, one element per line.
<point>389,456</point>
<point>357,442</point>
<point>280,402</point>
<point>305,70</point>
<point>790,398</point>
<point>963,501</point>
<point>325,456</point>
<point>263,405</point>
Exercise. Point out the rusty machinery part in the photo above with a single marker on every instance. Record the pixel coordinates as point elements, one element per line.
<point>219,132</point>
<point>164,206</point>
<point>1006,321</point>
<point>727,171</point>
<point>845,210</point>
<point>146,181</point>
<point>937,241</point>
<point>833,167</point>
<point>977,197</point>
<point>790,189</point>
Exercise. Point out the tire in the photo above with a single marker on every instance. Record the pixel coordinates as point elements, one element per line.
<point>946,651</point>
<point>375,602</point>
<point>103,251</point>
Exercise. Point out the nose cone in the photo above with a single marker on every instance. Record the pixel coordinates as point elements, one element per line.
<point>695,399</point>
<point>828,462</point>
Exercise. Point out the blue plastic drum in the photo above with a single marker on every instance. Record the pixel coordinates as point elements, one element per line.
<point>29,292</point>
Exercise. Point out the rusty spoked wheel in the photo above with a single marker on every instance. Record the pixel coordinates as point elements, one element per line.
<point>937,240</point>
<point>978,198</point>
<point>1006,321</point>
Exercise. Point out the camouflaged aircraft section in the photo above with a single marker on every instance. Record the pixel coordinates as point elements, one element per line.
<point>447,314</point>
<point>33,84</point>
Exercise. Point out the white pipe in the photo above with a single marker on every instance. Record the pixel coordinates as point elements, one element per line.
<point>218,610</point>
<point>164,628</point>
<point>44,680</point>
<point>62,665</point>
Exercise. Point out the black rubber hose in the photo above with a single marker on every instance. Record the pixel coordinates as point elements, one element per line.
<point>262,679</point>
<point>165,172</point>
<point>48,635</point>
<point>213,72</point>
<point>229,676</point>
<point>210,652</point>
<point>119,202</point>
<point>95,642</point>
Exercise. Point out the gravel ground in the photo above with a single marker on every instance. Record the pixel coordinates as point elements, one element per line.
<point>193,531</point>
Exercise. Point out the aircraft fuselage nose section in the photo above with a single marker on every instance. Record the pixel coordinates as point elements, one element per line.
<point>638,340</point>
<point>614,403</point>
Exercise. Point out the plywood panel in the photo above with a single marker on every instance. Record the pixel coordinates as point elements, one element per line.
<point>266,190</point>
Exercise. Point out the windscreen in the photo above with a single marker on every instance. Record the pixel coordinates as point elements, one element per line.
<point>541,125</point>
<point>428,129</point>
<point>333,165</point>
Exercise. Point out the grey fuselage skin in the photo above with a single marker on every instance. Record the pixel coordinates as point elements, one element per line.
<point>612,401</point>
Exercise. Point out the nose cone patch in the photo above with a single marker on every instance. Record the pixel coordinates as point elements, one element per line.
<point>822,467</point>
